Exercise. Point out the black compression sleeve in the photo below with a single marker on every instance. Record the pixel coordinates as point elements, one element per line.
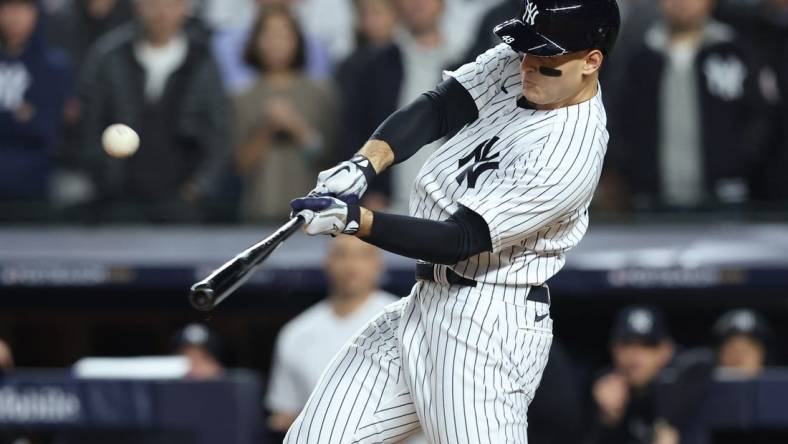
<point>461,236</point>
<point>431,116</point>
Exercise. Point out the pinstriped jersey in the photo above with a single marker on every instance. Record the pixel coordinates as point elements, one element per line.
<point>529,173</point>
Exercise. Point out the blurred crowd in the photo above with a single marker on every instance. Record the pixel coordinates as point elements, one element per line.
<point>239,103</point>
<point>654,387</point>
<point>649,391</point>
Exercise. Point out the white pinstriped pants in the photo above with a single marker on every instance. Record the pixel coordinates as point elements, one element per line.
<point>462,363</point>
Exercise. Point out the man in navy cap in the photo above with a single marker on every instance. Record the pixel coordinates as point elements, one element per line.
<point>203,347</point>
<point>641,346</point>
<point>742,337</point>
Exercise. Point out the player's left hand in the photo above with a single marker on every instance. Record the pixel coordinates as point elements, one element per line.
<point>326,215</point>
<point>348,179</point>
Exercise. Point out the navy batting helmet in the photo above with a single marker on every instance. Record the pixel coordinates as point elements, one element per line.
<point>549,28</point>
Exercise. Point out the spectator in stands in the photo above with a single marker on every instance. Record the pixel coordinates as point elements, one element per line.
<point>775,185</point>
<point>330,22</point>
<point>376,22</point>
<point>395,76</point>
<point>337,30</point>
<point>34,82</point>
<point>689,121</point>
<point>624,397</point>
<point>424,51</point>
<point>6,357</point>
<point>161,80</point>
<point>286,122</point>
<point>742,342</point>
<point>228,46</point>
<point>81,22</point>
<point>766,22</point>
<point>484,36</point>
<point>556,413</point>
<point>308,342</point>
<point>203,348</point>
<point>225,14</point>
<point>467,15</point>
<point>75,27</point>
<point>636,16</point>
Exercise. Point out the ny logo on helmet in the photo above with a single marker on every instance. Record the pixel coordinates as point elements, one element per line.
<point>530,14</point>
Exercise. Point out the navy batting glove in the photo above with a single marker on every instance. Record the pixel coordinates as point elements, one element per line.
<point>327,215</point>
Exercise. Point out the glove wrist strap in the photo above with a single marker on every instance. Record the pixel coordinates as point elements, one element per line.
<point>365,165</point>
<point>353,219</point>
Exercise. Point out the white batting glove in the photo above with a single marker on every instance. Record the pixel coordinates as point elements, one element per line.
<point>327,215</point>
<point>347,180</point>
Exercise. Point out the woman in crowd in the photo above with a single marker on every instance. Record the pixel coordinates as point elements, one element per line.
<point>285,121</point>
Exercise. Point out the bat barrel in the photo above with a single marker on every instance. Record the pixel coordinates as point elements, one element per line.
<point>209,292</point>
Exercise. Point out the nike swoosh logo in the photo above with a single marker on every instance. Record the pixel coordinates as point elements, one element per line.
<point>540,318</point>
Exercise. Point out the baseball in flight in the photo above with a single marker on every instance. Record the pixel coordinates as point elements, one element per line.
<point>120,140</point>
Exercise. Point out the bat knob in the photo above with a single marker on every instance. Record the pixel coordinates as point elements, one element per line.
<point>202,298</point>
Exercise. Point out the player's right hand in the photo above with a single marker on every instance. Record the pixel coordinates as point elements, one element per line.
<point>347,180</point>
<point>326,215</point>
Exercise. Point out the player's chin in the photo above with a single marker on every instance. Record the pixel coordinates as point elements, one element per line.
<point>534,95</point>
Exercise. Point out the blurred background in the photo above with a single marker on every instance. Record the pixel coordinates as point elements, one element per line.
<point>671,317</point>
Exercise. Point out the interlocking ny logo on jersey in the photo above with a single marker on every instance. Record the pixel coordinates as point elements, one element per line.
<point>482,161</point>
<point>530,14</point>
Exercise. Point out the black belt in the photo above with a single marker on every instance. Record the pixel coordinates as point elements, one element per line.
<point>426,272</point>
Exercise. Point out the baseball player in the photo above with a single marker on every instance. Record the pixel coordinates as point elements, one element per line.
<point>492,214</point>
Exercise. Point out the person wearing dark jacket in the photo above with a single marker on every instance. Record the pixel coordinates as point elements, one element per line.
<point>162,81</point>
<point>34,81</point>
<point>774,182</point>
<point>388,76</point>
<point>556,413</point>
<point>76,27</point>
<point>376,22</point>
<point>624,397</point>
<point>690,120</point>
<point>766,22</point>
<point>81,23</point>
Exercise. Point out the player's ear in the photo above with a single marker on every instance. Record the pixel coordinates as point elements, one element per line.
<point>593,62</point>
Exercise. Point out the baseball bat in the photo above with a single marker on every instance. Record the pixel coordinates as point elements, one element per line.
<point>209,292</point>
